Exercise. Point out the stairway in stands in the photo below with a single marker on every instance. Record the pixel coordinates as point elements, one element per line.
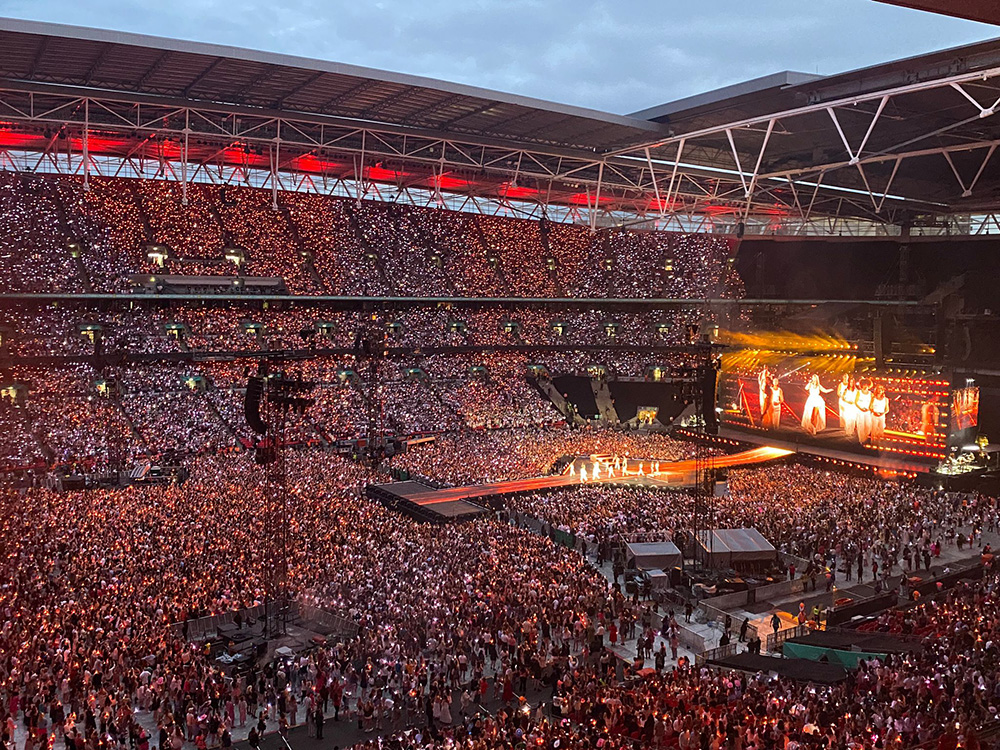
<point>497,269</point>
<point>543,232</point>
<point>37,433</point>
<point>304,255</point>
<point>116,400</point>
<point>605,404</point>
<point>218,415</point>
<point>377,265</point>
<point>548,389</point>
<point>68,233</point>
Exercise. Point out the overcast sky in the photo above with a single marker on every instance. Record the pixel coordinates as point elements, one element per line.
<point>618,56</point>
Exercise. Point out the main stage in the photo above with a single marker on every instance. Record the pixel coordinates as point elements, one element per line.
<point>425,503</point>
<point>880,461</point>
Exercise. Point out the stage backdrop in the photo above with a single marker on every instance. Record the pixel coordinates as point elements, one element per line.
<point>842,402</point>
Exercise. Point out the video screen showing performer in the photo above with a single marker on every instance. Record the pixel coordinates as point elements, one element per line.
<point>964,415</point>
<point>830,400</point>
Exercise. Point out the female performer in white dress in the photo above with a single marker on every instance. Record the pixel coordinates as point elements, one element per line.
<point>777,399</point>
<point>880,407</point>
<point>864,404</point>
<point>763,384</point>
<point>846,393</point>
<point>814,414</point>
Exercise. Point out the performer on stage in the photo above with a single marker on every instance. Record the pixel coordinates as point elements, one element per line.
<point>767,406</point>
<point>850,397</point>
<point>864,404</point>
<point>814,413</point>
<point>880,407</point>
<point>777,399</point>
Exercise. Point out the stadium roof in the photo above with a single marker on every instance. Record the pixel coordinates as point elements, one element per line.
<point>984,11</point>
<point>194,71</point>
<point>903,142</point>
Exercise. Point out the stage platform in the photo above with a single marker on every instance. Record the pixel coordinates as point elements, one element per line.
<point>425,503</point>
<point>885,462</point>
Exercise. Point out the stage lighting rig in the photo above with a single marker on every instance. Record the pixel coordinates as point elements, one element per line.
<point>289,394</point>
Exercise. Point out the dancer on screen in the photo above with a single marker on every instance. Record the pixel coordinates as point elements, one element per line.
<point>777,399</point>
<point>880,407</point>
<point>864,403</point>
<point>846,393</point>
<point>814,414</point>
<point>929,416</point>
<point>763,386</point>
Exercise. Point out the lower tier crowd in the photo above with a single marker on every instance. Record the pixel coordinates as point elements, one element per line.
<point>453,617</point>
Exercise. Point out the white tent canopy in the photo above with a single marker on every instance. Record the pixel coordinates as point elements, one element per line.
<point>735,547</point>
<point>652,555</point>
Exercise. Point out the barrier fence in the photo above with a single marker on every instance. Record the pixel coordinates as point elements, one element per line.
<point>722,652</point>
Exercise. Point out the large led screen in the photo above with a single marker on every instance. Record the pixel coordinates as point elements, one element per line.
<point>964,415</point>
<point>831,400</point>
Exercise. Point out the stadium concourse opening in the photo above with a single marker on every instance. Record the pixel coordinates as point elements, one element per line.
<point>346,408</point>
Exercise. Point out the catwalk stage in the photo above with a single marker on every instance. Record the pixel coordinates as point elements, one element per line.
<point>425,503</point>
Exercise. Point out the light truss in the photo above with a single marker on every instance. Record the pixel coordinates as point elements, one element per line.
<point>813,186</point>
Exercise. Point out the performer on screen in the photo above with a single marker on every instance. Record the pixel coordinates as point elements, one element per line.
<point>880,407</point>
<point>777,399</point>
<point>763,385</point>
<point>766,408</point>
<point>846,393</point>
<point>864,404</point>
<point>929,415</point>
<point>814,414</point>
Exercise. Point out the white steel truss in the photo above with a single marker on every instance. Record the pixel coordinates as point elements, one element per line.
<point>688,180</point>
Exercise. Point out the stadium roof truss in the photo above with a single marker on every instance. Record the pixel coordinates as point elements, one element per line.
<point>906,143</point>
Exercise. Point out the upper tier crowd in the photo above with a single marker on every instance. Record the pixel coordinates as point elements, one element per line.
<point>64,329</point>
<point>449,617</point>
<point>57,237</point>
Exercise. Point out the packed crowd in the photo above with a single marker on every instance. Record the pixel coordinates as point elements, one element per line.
<point>942,693</point>
<point>61,329</point>
<point>58,237</point>
<point>517,454</point>
<point>449,618</point>
<point>87,643</point>
<point>859,527</point>
<point>96,585</point>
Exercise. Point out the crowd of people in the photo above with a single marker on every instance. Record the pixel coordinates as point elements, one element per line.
<point>858,527</point>
<point>450,618</point>
<point>64,329</point>
<point>95,581</point>
<point>496,456</point>
<point>66,239</point>
<point>96,585</point>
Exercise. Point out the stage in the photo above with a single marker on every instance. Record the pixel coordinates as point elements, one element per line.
<point>425,503</point>
<point>676,475</point>
<point>882,462</point>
